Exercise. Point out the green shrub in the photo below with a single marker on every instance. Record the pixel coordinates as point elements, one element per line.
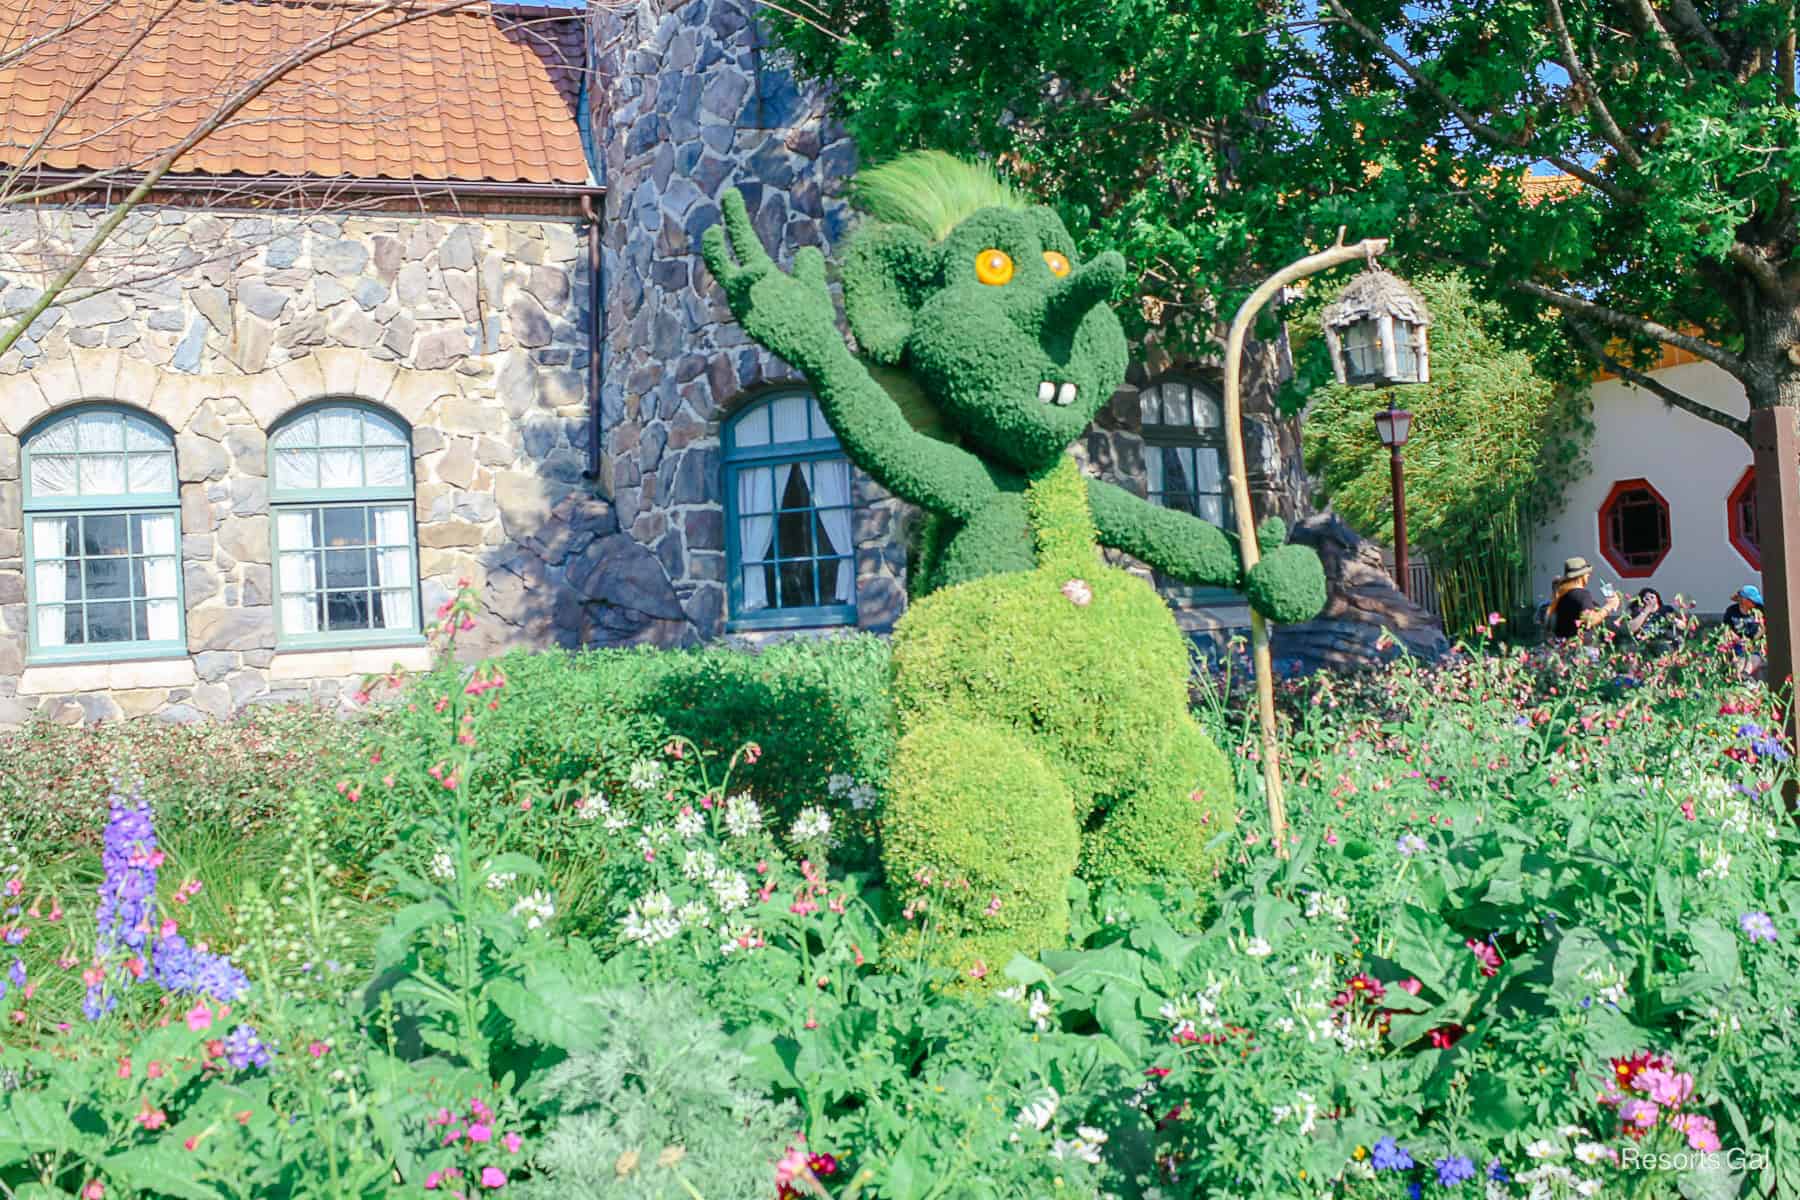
<point>663,1108</point>
<point>979,838</point>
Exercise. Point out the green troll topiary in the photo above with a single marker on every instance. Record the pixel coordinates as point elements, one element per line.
<point>1023,655</point>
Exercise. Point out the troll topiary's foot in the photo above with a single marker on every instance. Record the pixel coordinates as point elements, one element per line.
<point>979,840</point>
<point>1288,585</point>
<point>1175,821</point>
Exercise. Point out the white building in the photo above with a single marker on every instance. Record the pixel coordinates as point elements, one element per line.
<point>1669,500</point>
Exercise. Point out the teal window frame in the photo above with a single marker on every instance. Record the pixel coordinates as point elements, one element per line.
<point>295,500</point>
<point>735,457</point>
<point>1159,436</point>
<point>126,504</point>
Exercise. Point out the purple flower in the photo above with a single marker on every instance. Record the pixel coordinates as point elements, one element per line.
<point>1453,1170</point>
<point>1388,1155</point>
<point>1497,1173</point>
<point>129,857</point>
<point>180,967</point>
<point>244,1049</point>
<point>1757,926</point>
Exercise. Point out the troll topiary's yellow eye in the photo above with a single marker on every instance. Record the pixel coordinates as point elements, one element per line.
<point>1058,263</point>
<point>994,267</point>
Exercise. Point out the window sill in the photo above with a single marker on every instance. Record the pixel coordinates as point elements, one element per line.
<point>324,662</point>
<point>162,669</point>
<point>836,617</point>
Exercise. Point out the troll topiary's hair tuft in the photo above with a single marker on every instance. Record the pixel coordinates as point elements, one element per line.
<point>930,191</point>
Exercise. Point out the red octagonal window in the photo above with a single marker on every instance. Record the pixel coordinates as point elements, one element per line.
<point>1634,528</point>
<point>1740,519</point>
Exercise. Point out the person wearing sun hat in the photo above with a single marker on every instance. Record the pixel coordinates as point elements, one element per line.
<point>1572,607</point>
<point>1744,615</point>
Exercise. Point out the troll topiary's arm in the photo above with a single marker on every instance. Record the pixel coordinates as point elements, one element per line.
<point>793,315</point>
<point>1286,586</point>
<point>1179,545</point>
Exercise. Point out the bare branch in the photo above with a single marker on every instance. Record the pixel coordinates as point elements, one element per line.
<point>1760,269</point>
<point>348,32</point>
<point>1654,386</point>
<point>1571,60</point>
<point>1612,318</point>
<point>1696,27</point>
<point>20,51</point>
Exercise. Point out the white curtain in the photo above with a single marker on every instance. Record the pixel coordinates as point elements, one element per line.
<point>393,566</point>
<point>756,530</point>
<point>342,467</point>
<point>160,564</point>
<point>1209,486</point>
<point>49,540</point>
<point>789,415</point>
<point>831,495</point>
<point>298,571</point>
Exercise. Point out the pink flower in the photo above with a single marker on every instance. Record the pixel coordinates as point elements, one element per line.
<point>792,1164</point>
<point>152,1118</point>
<point>432,1180</point>
<point>1486,955</point>
<point>1638,1114</point>
<point>993,907</point>
<point>199,1017</point>
<point>752,752</point>
<point>1410,986</point>
<point>493,1177</point>
<point>94,1190</point>
<point>1665,1087</point>
<point>1078,592</point>
<point>1687,809</point>
<point>318,1049</point>
<point>1701,1133</point>
<point>512,1143</point>
<point>480,1133</point>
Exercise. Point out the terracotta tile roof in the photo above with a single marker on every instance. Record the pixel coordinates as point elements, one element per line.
<point>1538,188</point>
<point>473,95</point>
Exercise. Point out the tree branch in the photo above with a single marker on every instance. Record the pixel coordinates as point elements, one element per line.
<point>1696,26</point>
<point>345,34</point>
<point>1609,128</point>
<point>1656,387</point>
<point>1612,318</point>
<point>1475,125</point>
<point>1760,269</point>
<point>1653,24</point>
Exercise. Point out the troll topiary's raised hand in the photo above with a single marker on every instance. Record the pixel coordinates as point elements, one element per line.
<point>1038,690</point>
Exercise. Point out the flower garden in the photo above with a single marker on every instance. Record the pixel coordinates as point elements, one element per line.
<point>615,925</point>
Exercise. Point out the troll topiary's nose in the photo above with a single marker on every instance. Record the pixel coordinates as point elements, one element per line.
<point>1094,282</point>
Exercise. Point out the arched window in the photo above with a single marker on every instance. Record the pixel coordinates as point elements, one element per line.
<point>788,513</point>
<point>1184,449</point>
<point>1741,521</point>
<point>341,491</point>
<point>103,536</point>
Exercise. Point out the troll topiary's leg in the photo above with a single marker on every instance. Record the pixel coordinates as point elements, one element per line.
<point>978,836</point>
<point>1176,819</point>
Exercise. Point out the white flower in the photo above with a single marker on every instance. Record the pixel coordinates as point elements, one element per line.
<point>1587,1187</point>
<point>441,866</point>
<point>730,892</point>
<point>1303,1107</point>
<point>1334,908</point>
<point>862,796</point>
<point>739,938</point>
<point>1038,1112</point>
<point>1284,1024</point>
<point>1085,1145</point>
<point>651,919</point>
<point>535,908</point>
<point>694,913</point>
<point>615,821</point>
<point>1015,992</point>
<point>1721,864</point>
<point>839,786</point>
<point>743,816</point>
<point>1038,1012</point>
<point>589,807</point>
<point>1590,1153</point>
<point>812,825</point>
<point>1541,1149</point>
<point>689,823</point>
<point>499,881</point>
<point>1570,1131</point>
<point>698,864</point>
<point>1258,947</point>
<point>646,775</point>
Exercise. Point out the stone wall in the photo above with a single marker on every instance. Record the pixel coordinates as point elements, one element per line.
<point>688,101</point>
<point>473,331</point>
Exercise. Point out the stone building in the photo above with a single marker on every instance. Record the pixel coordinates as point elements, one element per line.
<point>431,309</point>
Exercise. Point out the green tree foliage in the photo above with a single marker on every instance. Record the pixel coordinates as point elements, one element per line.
<point>1210,142</point>
<point>1493,443</point>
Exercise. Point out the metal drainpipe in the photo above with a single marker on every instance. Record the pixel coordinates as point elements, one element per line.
<point>596,334</point>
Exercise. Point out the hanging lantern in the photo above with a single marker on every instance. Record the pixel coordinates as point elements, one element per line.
<point>1376,332</point>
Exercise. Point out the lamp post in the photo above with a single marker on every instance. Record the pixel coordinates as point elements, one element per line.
<point>1248,551</point>
<point>1376,331</point>
<point>1392,427</point>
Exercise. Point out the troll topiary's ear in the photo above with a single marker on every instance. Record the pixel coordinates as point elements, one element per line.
<point>888,272</point>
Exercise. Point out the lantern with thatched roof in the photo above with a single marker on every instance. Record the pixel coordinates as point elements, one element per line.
<point>1376,331</point>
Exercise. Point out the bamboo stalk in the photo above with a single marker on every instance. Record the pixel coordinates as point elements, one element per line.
<point>1248,550</point>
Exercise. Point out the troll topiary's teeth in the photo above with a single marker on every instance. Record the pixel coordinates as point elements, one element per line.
<point>1046,392</point>
<point>1065,395</point>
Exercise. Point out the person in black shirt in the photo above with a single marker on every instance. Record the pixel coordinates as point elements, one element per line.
<point>1744,616</point>
<point>1572,607</point>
